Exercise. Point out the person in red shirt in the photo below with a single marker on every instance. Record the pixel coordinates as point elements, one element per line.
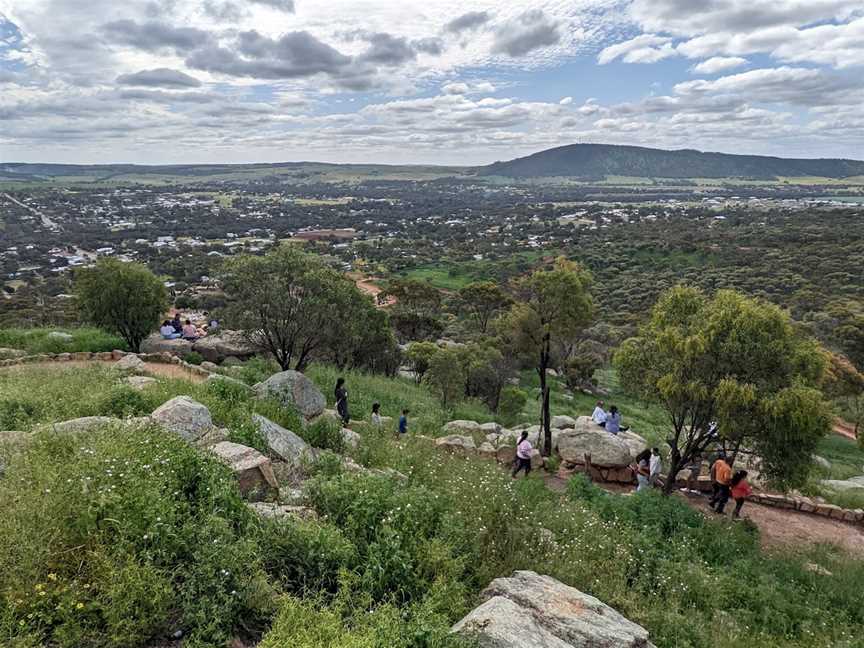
<point>740,491</point>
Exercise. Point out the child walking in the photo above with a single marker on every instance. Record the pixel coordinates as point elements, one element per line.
<point>740,491</point>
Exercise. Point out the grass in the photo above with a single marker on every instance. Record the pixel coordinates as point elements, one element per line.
<point>426,417</point>
<point>36,340</point>
<point>150,537</point>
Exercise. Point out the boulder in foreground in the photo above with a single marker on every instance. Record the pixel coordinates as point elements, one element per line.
<point>532,611</point>
<point>293,389</point>
<point>184,416</point>
<point>252,469</point>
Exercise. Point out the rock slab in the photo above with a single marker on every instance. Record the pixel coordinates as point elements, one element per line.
<point>283,443</point>
<point>293,389</point>
<point>587,437</point>
<point>252,469</point>
<point>528,610</point>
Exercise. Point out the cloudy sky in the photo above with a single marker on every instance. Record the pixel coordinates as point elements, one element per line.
<point>425,81</point>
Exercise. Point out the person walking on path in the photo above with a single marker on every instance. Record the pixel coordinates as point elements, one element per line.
<point>342,401</point>
<point>376,415</point>
<point>523,455</point>
<point>403,422</point>
<point>723,477</point>
<point>740,490</point>
<point>642,468</point>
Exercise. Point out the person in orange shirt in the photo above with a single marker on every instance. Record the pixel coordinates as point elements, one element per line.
<point>722,473</point>
<point>740,490</point>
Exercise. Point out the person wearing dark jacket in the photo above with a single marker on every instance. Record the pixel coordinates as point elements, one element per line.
<point>341,395</point>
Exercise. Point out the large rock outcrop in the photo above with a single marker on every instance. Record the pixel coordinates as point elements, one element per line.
<point>607,450</point>
<point>282,443</point>
<point>225,344</point>
<point>532,611</point>
<point>185,417</point>
<point>157,344</point>
<point>293,389</point>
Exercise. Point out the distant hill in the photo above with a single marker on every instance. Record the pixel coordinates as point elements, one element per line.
<point>598,160</point>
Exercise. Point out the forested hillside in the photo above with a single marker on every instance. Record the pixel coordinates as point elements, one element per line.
<point>598,160</point>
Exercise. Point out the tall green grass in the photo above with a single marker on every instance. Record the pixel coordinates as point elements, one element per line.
<point>36,340</point>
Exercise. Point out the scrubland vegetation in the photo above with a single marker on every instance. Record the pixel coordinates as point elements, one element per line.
<point>125,536</point>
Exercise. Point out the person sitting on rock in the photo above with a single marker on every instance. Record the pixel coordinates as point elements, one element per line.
<point>599,416</point>
<point>167,331</point>
<point>189,331</point>
<point>613,421</point>
<point>341,395</point>
<point>740,491</point>
<point>523,455</point>
<point>177,324</point>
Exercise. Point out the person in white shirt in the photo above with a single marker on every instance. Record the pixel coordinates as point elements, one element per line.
<point>167,331</point>
<point>599,415</point>
<point>376,414</point>
<point>523,455</point>
<point>656,464</point>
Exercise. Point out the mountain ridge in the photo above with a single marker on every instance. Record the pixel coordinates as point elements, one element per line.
<point>596,160</point>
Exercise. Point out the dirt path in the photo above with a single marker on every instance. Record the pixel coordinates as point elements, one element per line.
<point>174,372</point>
<point>777,527</point>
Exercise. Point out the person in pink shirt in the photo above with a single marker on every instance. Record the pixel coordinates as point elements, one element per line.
<point>523,455</point>
<point>189,331</point>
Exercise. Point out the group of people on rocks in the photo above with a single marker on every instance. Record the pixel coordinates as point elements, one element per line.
<point>610,420</point>
<point>178,328</point>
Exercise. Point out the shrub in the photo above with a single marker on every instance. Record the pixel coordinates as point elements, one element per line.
<point>193,357</point>
<point>106,536</point>
<point>511,404</point>
<point>324,433</point>
<point>16,413</point>
<point>37,341</point>
<point>122,401</point>
<point>306,557</point>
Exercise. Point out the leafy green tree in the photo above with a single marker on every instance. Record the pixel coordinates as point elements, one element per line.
<point>416,313</point>
<point>737,361</point>
<point>511,403</point>
<point>486,371</point>
<point>446,375</point>
<point>420,356</point>
<point>481,300</point>
<point>845,385</point>
<point>550,306</point>
<point>293,306</point>
<point>123,298</point>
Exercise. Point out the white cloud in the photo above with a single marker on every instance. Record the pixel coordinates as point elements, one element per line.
<point>647,48</point>
<point>566,101</point>
<point>718,64</point>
